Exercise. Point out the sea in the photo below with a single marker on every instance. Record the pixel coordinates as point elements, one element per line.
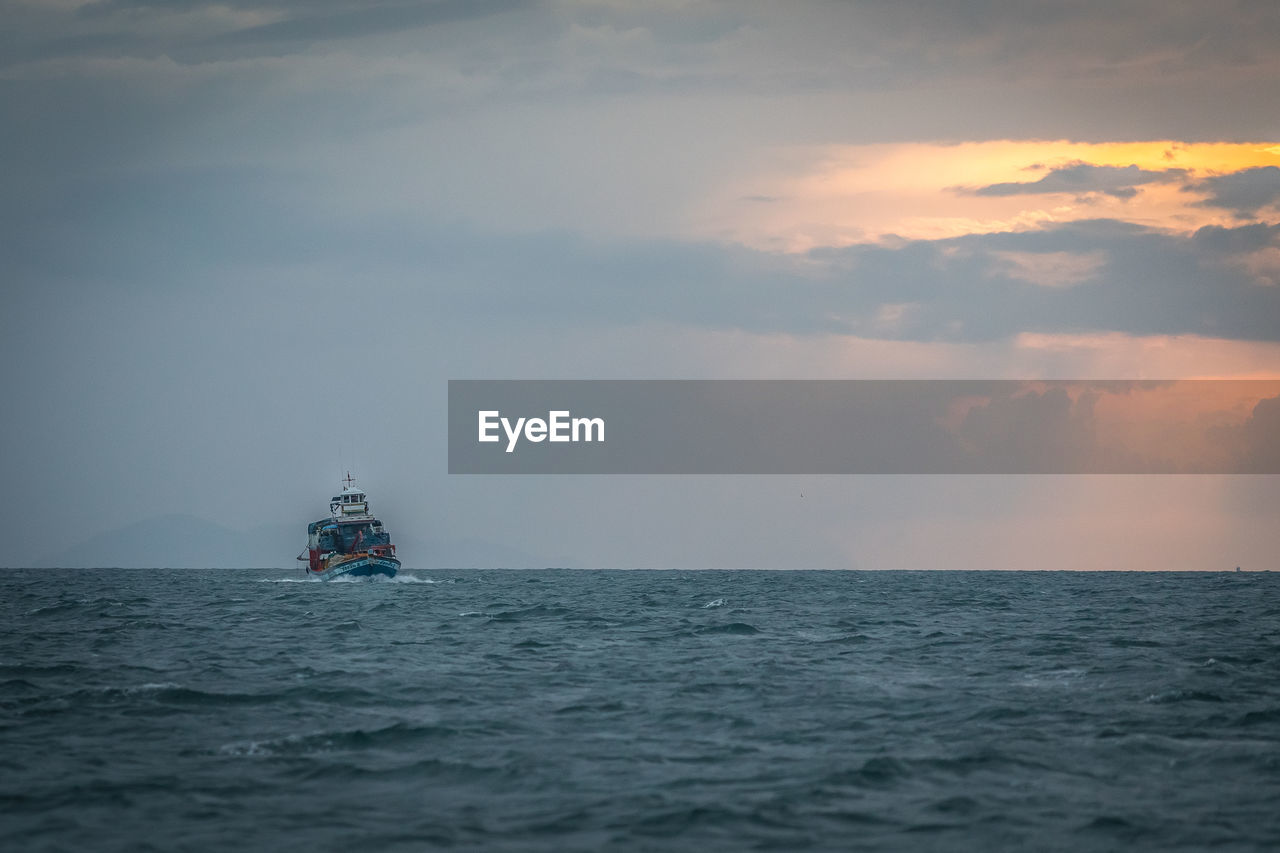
<point>582,710</point>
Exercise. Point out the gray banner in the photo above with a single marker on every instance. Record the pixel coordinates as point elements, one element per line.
<point>864,427</point>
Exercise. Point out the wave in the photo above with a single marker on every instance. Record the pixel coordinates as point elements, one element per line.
<point>399,578</point>
<point>733,628</point>
<point>394,736</point>
<point>1169,696</point>
<point>522,613</point>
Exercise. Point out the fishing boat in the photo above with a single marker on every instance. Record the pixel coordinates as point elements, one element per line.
<point>350,542</point>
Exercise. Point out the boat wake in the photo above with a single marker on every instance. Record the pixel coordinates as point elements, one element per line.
<point>379,579</point>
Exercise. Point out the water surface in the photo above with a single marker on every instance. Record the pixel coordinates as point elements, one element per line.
<point>655,710</point>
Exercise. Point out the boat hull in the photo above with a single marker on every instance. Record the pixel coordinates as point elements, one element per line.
<point>361,567</point>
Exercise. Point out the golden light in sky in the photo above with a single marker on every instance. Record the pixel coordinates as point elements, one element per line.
<point>841,195</point>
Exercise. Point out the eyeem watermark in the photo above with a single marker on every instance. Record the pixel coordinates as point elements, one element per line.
<point>824,427</point>
<point>558,426</point>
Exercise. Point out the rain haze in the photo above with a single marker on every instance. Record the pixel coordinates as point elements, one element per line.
<point>246,245</point>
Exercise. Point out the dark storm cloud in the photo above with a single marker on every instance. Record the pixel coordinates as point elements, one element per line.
<point>1081,178</point>
<point>1244,193</point>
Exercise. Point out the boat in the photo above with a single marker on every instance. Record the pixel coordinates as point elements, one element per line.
<point>350,542</point>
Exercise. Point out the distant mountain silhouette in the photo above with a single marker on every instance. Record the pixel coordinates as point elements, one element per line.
<point>181,541</point>
<point>184,541</point>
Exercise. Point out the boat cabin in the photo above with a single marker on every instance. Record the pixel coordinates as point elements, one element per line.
<point>351,502</point>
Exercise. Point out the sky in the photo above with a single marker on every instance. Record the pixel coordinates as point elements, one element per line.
<point>245,245</point>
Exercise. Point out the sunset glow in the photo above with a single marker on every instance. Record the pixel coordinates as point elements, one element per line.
<point>850,194</point>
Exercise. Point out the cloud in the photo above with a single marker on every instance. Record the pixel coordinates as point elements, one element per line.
<point>1261,435</point>
<point>1245,238</point>
<point>840,194</point>
<point>1150,283</point>
<point>306,25</point>
<point>500,203</point>
<point>1253,446</point>
<point>1171,427</point>
<point>1244,192</point>
<point>1082,178</point>
<point>1030,431</point>
<point>877,41</point>
<point>1253,249</point>
<point>996,69</point>
<point>200,32</point>
<point>1107,40</point>
<point>1049,269</point>
<point>211,228</point>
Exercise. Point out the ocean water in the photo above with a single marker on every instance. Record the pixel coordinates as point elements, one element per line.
<point>646,710</point>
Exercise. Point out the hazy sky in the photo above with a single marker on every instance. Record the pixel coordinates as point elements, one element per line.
<point>245,244</point>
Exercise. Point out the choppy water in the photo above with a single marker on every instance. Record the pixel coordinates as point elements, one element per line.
<point>563,710</point>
